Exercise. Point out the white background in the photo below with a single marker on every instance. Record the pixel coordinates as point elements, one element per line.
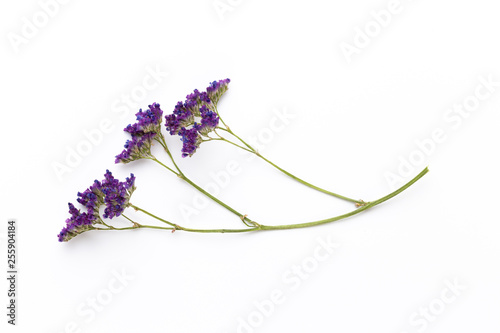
<point>353,123</point>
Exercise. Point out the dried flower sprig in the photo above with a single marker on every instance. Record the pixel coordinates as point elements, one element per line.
<point>196,120</point>
<point>81,222</point>
<point>110,192</point>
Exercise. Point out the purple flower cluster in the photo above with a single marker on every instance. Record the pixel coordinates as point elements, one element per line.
<point>195,100</point>
<point>147,121</point>
<point>181,117</point>
<point>196,116</point>
<point>209,120</point>
<point>76,224</point>
<point>112,193</point>
<point>136,148</point>
<point>191,140</point>
<point>185,112</point>
<point>216,89</point>
<point>143,132</point>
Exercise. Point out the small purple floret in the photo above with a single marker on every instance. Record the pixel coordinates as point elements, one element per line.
<point>136,148</point>
<point>216,89</point>
<point>147,121</point>
<point>209,118</point>
<point>190,140</point>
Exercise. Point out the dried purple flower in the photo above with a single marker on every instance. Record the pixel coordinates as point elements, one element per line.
<point>147,121</point>
<point>196,116</point>
<point>116,194</point>
<point>148,125</point>
<point>191,140</point>
<point>209,120</point>
<point>137,148</point>
<point>195,100</point>
<point>216,89</point>
<point>112,193</point>
<point>181,117</point>
<point>76,224</point>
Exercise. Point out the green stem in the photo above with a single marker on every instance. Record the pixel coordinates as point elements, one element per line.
<point>164,144</point>
<point>357,211</point>
<point>205,231</point>
<point>104,223</point>
<point>163,165</point>
<point>308,184</point>
<point>125,216</point>
<point>155,227</point>
<point>178,227</point>
<point>235,144</point>
<point>125,228</point>
<point>180,174</point>
<point>227,129</point>
<point>254,151</point>
<point>220,118</point>
<point>259,227</point>
<point>154,216</point>
<point>241,216</point>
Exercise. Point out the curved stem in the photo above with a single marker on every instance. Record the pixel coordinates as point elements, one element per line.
<point>220,118</point>
<point>165,147</point>
<point>237,145</point>
<point>366,206</point>
<point>307,183</point>
<point>259,227</point>
<point>254,151</point>
<point>227,129</point>
<point>222,231</point>
<point>241,216</point>
<point>125,228</point>
<point>125,216</point>
<point>178,227</point>
<point>181,175</point>
<point>104,223</point>
<point>154,216</point>
<point>161,143</point>
<point>163,165</point>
